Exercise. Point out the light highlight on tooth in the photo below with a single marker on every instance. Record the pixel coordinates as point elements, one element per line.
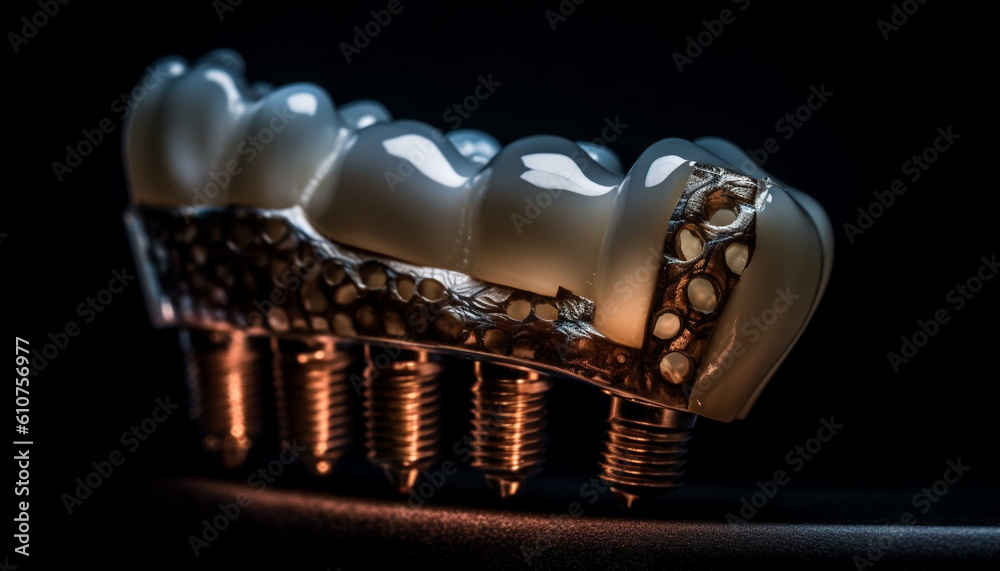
<point>303,103</point>
<point>225,81</point>
<point>661,168</point>
<point>426,157</point>
<point>474,145</point>
<point>555,171</point>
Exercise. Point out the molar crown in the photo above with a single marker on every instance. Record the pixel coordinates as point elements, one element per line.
<point>205,137</point>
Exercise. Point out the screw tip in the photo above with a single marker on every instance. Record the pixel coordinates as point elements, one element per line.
<point>232,451</point>
<point>402,478</point>
<point>503,487</point>
<point>631,500</point>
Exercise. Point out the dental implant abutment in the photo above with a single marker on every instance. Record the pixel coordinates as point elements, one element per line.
<point>225,376</point>
<point>402,413</point>
<point>508,425</point>
<point>645,451</point>
<point>313,389</point>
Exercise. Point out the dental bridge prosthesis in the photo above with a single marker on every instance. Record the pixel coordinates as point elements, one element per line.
<point>284,236</point>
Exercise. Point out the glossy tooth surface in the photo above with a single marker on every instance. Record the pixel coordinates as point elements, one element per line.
<point>357,115</point>
<point>286,149</point>
<point>151,177</point>
<point>201,117</point>
<point>630,258</point>
<point>543,218</point>
<point>401,190</point>
<point>793,257</point>
<point>477,146</point>
<point>203,137</point>
<point>604,156</point>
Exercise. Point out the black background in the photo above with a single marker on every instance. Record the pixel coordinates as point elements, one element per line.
<point>605,60</point>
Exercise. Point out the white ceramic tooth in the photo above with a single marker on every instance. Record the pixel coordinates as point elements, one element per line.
<point>285,150</point>
<point>543,218</point>
<point>202,116</point>
<point>357,115</point>
<point>224,58</point>
<point>205,138</point>
<point>146,152</point>
<point>632,252</point>
<point>401,190</point>
<point>477,146</point>
<point>604,156</point>
<point>762,320</point>
<point>260,89</point>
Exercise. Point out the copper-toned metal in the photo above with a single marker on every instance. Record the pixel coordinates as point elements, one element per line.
<point>508,425</point>
<point>270,273</point>
<point>645,450</point>
<point>313,388</point>
<point>224,374</point>
<point>402,411</point>
<point>709,190</point>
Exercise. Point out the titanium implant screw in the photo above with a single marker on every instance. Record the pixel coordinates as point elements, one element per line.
<point>313,397</point>
<point>508,425</point>
<point>402,408</point>
<point>224,375</point>
<point>645,450</point>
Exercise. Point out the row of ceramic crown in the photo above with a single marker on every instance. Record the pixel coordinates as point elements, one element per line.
<point>540,214</point>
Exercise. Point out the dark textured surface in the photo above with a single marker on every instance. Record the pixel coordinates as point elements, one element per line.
<point>813,530</point>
